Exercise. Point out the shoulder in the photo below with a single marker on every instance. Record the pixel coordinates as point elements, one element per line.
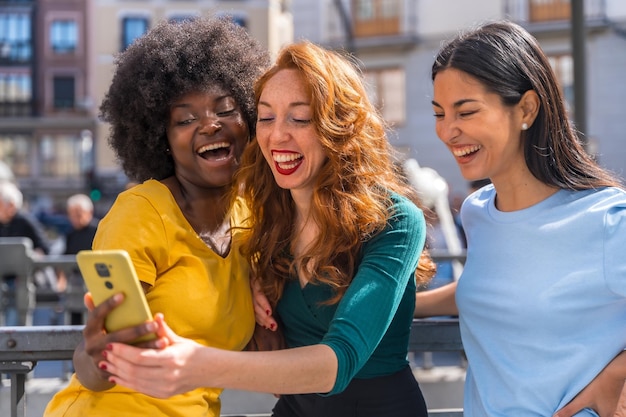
<point>481,196</point>
<point>401,205</point>
<point>149,193</point>
<point>601,200</point>
<point>405,215</point>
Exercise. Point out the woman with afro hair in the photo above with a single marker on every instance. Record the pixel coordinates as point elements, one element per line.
<point>336,241</point>
<point>181,109</point>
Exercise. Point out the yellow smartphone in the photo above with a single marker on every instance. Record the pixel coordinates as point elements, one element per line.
<point>111,271</point>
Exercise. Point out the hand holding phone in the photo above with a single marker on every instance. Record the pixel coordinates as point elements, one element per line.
<point>108,272</point>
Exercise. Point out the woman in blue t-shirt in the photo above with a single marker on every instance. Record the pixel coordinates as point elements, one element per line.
<point>542,298</point>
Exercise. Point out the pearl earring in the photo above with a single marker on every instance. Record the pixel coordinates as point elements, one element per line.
<point>524,126</point>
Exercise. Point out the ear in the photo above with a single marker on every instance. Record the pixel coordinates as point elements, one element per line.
<point>529,105</point>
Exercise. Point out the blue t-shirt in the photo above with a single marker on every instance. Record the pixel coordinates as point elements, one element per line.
<point>541,300</point>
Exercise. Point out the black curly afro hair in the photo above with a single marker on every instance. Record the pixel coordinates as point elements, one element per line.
<point>170,60</point>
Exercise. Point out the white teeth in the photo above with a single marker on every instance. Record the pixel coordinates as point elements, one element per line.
<point>282,158</point>
<point>213,147</point>
<point>289,166</point>
<point>466,151</point>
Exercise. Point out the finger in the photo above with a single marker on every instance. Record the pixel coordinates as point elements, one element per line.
<point>122,354</point>
<point>261,316</point>
<point>164,331</point>
<point>94,326</point>
<point>142,370</point>
<point>132,334</point>
<point>88,300</point>
<point>571,408</point>
<point>122,372</point>
<point>103,309</point>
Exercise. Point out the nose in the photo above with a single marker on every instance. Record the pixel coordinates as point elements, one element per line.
<point>447,129</point>
<point>277,132</point>
<point>210,124</point>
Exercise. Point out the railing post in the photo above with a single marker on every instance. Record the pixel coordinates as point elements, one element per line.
<point>18,372</point>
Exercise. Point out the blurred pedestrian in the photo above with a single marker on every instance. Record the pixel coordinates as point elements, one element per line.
<point>80,212</point>
<point>15,221</point>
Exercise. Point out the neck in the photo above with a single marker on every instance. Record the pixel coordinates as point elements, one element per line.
<point>512,196</point>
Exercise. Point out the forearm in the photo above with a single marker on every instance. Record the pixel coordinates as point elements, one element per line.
<point>86,371</point>
<point>309,369</point>
<point>437,302</point>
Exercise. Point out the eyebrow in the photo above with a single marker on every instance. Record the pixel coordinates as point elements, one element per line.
<point>456,103</point>
<point>295,104</point>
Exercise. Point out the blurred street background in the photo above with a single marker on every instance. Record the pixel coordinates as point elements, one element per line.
<point>57,58</point>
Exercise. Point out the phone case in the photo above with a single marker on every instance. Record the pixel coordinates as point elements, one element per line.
<point>108,272</point>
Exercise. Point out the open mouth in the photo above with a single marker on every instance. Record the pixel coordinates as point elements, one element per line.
<point>466,151</point>
<point>287,163</point>
<point>215,151</point>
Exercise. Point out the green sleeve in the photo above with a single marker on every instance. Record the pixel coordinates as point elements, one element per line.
<point>369,305</point>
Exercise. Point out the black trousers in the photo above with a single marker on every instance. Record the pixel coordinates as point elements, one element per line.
<point>396,395</point>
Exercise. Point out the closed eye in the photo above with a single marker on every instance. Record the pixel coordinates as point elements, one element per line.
<point>227,112</point>
<point>185,122</point>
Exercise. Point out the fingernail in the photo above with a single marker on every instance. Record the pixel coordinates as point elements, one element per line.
<point>272,326</point>
<point>104,353</point>
<point>110,347</point>
<point>268,312</point>
<point>103,366</point>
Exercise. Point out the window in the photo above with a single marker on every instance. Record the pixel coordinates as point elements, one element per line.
<point>60,155</point>
<point>63,36</point>
<point>377,17</point>
<point>132,28</point>
<point>63,92</point>
<point>15,94</point>
<point>386,89</point>
<point>15,37</point>
<point>549,10</point>
<point>14,151</point>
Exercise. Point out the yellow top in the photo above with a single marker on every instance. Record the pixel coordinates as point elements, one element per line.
<point>203,296</point>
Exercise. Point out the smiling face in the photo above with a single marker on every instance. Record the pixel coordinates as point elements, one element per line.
<point>207,134</point>
<point>482,133</point>
<point>286,134</point>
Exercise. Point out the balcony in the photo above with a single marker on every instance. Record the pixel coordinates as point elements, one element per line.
<point>374,24</point>
<point>16,109</point>
<point>550,15</point>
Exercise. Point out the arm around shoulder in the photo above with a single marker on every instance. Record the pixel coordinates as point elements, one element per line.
<point>436,302</point>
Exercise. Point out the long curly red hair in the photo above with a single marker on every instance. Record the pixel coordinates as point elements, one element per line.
<point>351,201</point>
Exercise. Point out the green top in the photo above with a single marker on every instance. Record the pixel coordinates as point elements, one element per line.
<point>369,328</point>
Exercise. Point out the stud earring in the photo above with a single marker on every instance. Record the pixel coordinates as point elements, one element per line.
<point>524,126</point>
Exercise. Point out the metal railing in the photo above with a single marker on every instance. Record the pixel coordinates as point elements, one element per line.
<point>22,347</point>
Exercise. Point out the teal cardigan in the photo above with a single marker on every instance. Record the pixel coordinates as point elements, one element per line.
<point>369,328</point>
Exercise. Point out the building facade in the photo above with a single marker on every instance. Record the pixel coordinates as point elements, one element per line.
<point>56,62</point>
<point>45,115</point>
<point>396,41</point>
